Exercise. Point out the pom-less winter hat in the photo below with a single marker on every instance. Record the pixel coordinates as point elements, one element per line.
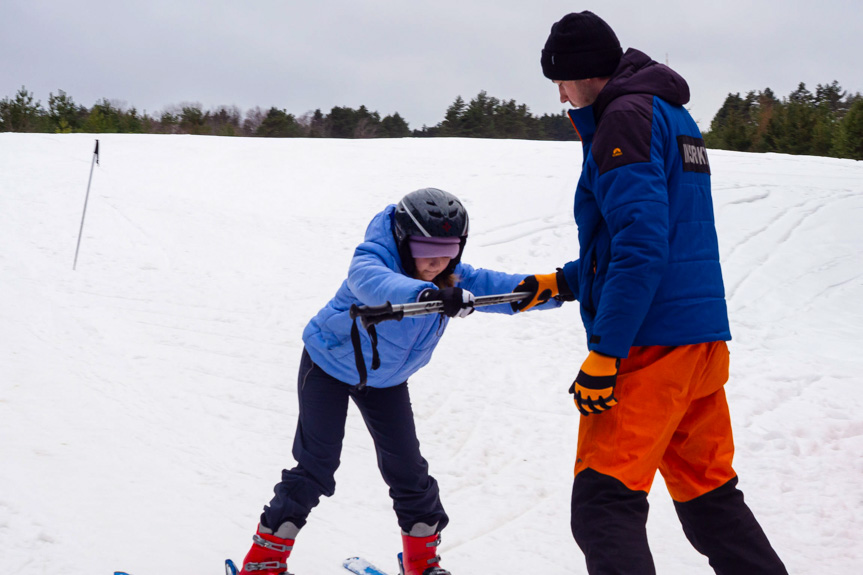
<point>423,247</point>
<point>581,45</point>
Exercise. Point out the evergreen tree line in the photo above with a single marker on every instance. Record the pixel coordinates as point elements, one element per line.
<point>826,123</point>
<point>483,117</point>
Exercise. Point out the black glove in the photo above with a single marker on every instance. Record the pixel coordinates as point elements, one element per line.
<point>542,288</point>
<point>594,385</point>
<point>456,301</point>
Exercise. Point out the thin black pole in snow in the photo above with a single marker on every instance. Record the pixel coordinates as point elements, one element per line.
<point>87,197</point>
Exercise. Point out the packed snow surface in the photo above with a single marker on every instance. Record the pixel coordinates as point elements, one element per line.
<point>148,398</point>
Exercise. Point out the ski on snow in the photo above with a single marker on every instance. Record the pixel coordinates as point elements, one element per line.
<point>356,565</point>
<point>360,566</point>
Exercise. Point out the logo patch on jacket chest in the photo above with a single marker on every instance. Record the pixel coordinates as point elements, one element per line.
<point>694,154</point>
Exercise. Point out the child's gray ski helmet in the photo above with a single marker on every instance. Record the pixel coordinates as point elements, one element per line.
<point>431,213</point>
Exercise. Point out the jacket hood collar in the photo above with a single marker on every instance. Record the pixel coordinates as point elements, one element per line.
<point>584,123</point>
<point>638,74</point>
<point>380,230</point>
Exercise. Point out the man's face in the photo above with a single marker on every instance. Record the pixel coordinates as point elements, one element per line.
<point>580,93</point>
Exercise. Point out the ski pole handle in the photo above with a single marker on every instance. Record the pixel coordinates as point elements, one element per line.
<point>375,314</point>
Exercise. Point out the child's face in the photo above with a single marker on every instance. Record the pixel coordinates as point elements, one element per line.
<point>429,268</point>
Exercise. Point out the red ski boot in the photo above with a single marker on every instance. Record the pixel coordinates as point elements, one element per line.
<point>268,555</point>
<point>420,556</point>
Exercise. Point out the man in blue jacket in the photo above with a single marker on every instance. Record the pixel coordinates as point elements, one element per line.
<point>648,278</point>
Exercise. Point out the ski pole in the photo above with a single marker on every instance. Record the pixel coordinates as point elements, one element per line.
<point>371,315</point>
<point>86,197</point>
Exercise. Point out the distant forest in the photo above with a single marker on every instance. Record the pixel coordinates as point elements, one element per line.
<point>828,122</point>
<point>483,117</point>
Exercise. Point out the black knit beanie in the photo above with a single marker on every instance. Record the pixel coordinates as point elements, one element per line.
<point>581,45</point>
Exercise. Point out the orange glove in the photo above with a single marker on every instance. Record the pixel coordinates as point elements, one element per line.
<point>594,385</point>
<point>542,288</point>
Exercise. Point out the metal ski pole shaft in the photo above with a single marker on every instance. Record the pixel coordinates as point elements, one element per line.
<point>371,315</point>
<point>86,198</point>
<point>424,308</point>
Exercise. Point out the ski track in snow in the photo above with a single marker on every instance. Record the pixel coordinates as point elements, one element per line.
<point>779,227</point>
<point>148,399</point>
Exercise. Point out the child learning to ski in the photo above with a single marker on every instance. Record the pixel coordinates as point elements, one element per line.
<point>411,253</point>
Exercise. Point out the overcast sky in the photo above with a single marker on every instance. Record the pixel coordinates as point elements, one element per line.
<point>404,56</point>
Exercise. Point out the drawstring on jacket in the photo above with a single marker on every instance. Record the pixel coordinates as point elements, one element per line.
<point>358,352</point>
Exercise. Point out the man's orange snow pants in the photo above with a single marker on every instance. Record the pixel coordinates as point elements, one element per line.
<point>671,415</point>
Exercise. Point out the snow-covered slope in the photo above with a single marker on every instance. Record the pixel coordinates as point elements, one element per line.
<point>147,399</point>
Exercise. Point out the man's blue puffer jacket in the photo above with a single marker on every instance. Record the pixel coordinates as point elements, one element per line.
<point>648,271</point>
